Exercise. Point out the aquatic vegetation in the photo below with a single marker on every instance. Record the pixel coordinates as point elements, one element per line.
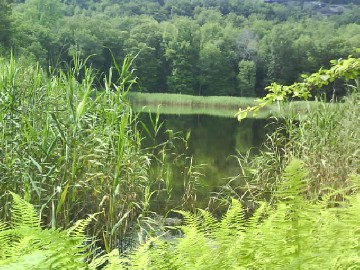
<point>71,149</point>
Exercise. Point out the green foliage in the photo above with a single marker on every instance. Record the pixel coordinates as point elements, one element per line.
<point>345,69</point>
<point>295,233</point>
<point>247,78</point>
<point>325,137</point>
<point>5,30</point>
<point>6,27</point>
<point>25,245</point>
<point>191,47</point>
<point>64,144</point>
<point>181,52</point>
<point>35,30</point>
<point>327,140</point>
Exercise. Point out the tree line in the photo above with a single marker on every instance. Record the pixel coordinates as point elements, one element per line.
<point>200,47</point>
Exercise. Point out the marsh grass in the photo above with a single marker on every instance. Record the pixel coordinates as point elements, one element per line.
<point>189,100</point>
<point>70,149</point>
<point>186,104</point>
<point>325,138</point>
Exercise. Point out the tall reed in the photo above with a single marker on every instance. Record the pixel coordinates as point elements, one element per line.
<point>326,139</point>
<point>70,148</point>
<point>174,174</point>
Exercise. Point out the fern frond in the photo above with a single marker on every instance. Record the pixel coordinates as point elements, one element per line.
<point>111,261</point>
<point>23,213</point>
<point>194,250</point>
<point>190,220</point>
<point>5,239</point>
<point>115,262</point>
<point>296,233</point>
<point>78,230</point>
<point>259,215</point>
<point>28,261</point>
<point>209,223</point>
<point>142,258</point>
<point>234,219</point>
<point>27,246</point>
<point>295,182</point>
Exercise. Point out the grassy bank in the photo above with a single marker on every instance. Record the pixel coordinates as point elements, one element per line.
<point>224,106</point>
<point>165,103</point>
<point>191,101</point>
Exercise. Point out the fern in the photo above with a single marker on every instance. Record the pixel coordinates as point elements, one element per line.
<point>25,245</point>
<point>296,233</point>
<point>23,213</point>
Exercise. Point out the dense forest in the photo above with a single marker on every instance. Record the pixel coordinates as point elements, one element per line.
<point>225,47</point>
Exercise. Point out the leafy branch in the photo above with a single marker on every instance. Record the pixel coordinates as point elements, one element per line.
<point>347,69</point>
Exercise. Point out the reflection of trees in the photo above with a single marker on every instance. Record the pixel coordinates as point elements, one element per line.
<point>212,142</point>
<point>244,136</point>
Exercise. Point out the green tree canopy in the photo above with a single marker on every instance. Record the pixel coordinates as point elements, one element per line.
<point>5,22</point>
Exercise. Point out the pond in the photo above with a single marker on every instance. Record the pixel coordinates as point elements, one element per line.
<point>201,156</point>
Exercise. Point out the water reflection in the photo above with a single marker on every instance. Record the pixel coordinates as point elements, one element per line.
<point>206,161</point>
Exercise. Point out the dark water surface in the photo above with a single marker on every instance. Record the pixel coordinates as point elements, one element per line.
<point>196,168</point>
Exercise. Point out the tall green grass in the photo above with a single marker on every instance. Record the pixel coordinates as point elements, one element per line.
<point>328,141</point>
<point>189,100</point>
<point>71,149</point>
<point>326,138</point>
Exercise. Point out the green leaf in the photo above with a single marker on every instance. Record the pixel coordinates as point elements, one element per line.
<point>241,115</point>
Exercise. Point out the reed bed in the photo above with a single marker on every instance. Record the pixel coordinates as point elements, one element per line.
<point>188,110</point>
<point>325,136</point>
<point>195,101</point>
<point>70,149</point>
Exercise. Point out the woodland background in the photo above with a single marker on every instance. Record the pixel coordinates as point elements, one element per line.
<point>199,47</point>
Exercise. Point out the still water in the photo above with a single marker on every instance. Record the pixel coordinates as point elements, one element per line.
<point>201,156</point>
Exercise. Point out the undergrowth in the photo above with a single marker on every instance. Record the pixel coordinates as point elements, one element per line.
<point>326,139</point>
<point>294,233</point>
<point>70,150</point>
<point>25,245</point>
<point>71,145</point>
<point>325,136</point>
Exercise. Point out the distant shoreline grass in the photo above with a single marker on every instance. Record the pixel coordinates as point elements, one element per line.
<point>166,103</point>
<point>224,106</point>
<point>189,100</point>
